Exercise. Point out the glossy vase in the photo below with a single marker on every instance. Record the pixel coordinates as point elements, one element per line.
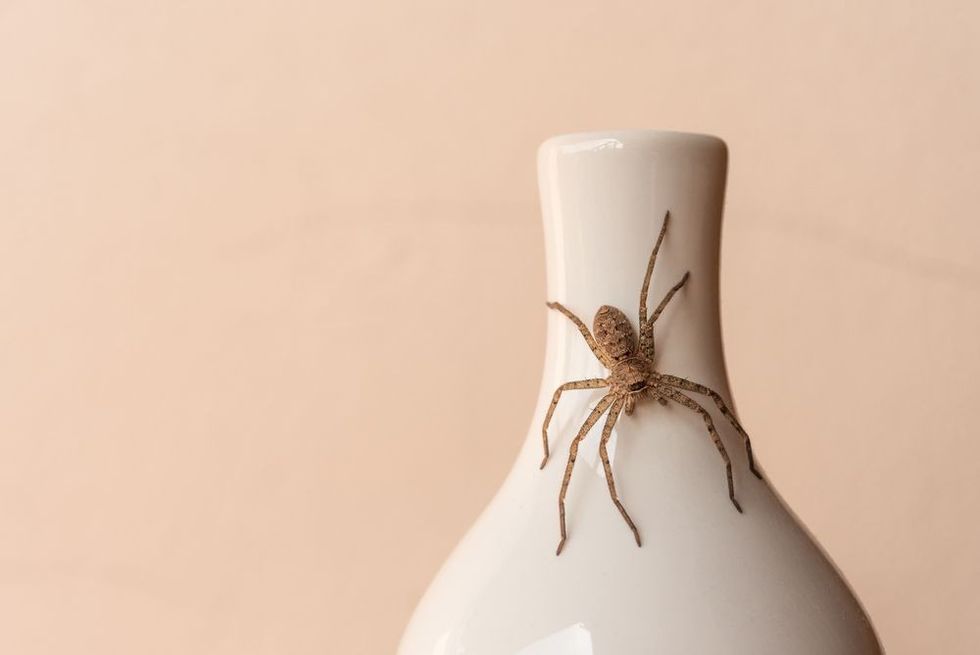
<point>707,580</point>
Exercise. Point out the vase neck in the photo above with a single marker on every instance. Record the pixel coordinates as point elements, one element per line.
<point>604,198</point>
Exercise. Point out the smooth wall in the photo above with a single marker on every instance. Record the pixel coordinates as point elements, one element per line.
<point>272,295</point>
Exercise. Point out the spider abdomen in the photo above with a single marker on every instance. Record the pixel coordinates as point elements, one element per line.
<point>614,332</point>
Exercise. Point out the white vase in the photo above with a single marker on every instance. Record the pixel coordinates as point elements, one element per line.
<point>707,579</point>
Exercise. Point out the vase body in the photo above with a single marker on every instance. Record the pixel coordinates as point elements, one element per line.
<point>707,580</point>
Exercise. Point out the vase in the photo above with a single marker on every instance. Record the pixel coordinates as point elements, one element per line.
<point>707,578</point>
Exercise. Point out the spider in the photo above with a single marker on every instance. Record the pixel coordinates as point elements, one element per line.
<point>632,376</point>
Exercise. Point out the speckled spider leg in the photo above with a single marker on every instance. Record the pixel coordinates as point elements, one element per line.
<point>660,308</point>
<point>715,396</point>
<point>656,314</point>
<point>647,345</point>
<point>646,329</point>
<point>573,455</point>
<point>594,383</point>
<point>589,339</point>
<point>604,454</point>
<point>688,402</point>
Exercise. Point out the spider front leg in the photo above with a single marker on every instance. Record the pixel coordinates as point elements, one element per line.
<point>688,402</point>
<point>646,326</point>
<point>675,381</point>
<point>572,456</point>
<point>594,383</point>
<point>586,334</point>
<point>604,455</point>
<point>646,329</point>
<point>646,286</point>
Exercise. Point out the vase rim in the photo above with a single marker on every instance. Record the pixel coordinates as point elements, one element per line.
<point>634,136</point>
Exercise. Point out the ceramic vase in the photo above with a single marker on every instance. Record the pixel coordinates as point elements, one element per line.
<point>707,579</point>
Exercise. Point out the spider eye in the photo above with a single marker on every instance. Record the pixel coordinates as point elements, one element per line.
<point>637,386</point>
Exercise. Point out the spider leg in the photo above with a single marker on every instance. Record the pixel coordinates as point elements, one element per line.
<point>646,329</point>
<point>646,283</point>
<point>680,398</point>
<point>589,339</point>
<point>675,381</point>
<point>593,383</point>
<point>603,453</point>
<point>670,294</point>
<point>573,455</point>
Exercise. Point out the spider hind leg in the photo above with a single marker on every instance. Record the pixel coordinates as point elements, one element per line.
<point>688,402</point>
<point>599,410</point>
<point>607,467</point>
<point>593,383</point>
<point>687,385</point>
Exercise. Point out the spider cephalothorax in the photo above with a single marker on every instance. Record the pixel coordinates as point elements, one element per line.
<point>632,376</point>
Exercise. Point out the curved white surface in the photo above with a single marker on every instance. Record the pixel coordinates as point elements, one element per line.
<point>707,580</point>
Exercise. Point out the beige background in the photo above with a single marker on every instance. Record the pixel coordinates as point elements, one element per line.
<point>271,295</point>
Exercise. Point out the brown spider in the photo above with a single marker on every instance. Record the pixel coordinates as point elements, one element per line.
<point>631,377</point>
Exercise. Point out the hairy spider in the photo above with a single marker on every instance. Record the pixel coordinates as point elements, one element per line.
<point>631,377</point>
